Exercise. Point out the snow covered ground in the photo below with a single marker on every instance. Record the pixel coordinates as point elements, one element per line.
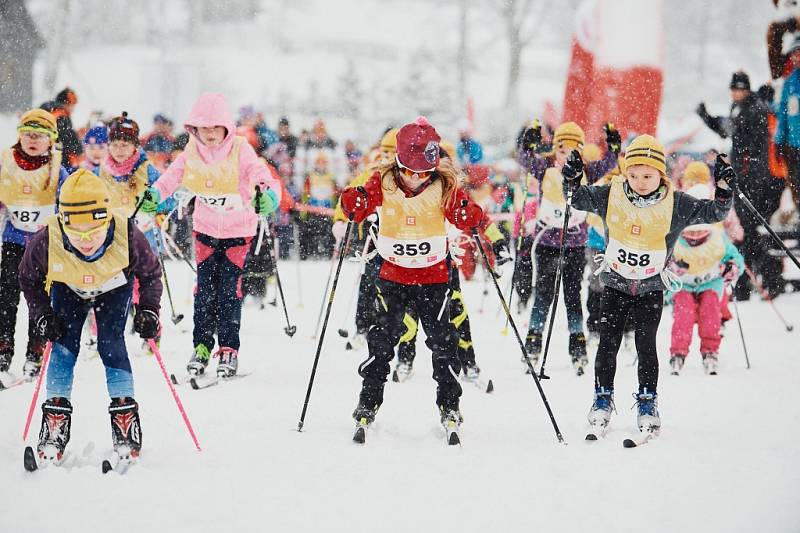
<point>727,459</point>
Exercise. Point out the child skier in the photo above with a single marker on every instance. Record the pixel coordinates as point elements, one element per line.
<point>548,233</point>
<point>222,170</point>
<point>707,262</point>
<point>86,258</point>
<point>643,217</point>
<point>416,196</point>
<point>29,175</point>
<point>95,148</point>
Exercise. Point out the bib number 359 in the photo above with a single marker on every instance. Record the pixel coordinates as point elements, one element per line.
<point>411,249</point>
<point>633,258</point>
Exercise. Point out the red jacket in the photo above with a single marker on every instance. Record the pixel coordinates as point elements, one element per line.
<point>438,273</point>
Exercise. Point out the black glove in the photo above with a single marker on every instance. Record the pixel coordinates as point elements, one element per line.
<point>532,136</point>
<point>573,170</point>
<point>724,174</point>
<point>145,323</point>
<point>613,138</point>
<point>50,326</point>
<point>501,252</point>
<point>701,110</point>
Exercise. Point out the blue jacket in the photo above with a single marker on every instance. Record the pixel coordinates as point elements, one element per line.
<point>788,115</point>
<point>716,284</point>
<point>469,151</point>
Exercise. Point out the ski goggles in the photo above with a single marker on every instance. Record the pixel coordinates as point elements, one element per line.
<point>423,175</point>
<point>88,235</point>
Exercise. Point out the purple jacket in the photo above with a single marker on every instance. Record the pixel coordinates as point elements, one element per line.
<point>537,165</point>
<point>143,265</point>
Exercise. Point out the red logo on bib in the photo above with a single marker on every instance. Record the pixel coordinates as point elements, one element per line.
<point>26,189</point>
<point>88,279</point>
<point>209,184</point>
<point>636,230</point>
<point>125,200</point>
<point>650,271</point>
<point>411,221</point>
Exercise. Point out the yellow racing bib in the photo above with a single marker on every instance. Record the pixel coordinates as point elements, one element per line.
<point>553,204</point>
<point>412,231</point>
<point>29,195</point>
<point>637,245</point>
<point>217,184</point>
<point>703,260</point>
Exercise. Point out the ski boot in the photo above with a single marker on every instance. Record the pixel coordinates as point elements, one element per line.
<point>577,350</point>
<point>126,428</point>
<point>199,360</point>
<point>710,362</point>
<point>600,414</point>
<point>676,363</point>
<point>533,348</point>
<point>451,420</point>
<point>32,367</point>
<point>403,370</point>
<point>54,434</point>
<point>471,372</point>
<point>364,415</point>
<point>228,362</point>
<point>648,418</point>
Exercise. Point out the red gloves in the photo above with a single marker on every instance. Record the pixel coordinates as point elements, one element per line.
<point>354,204</point>
<point>467,216</point>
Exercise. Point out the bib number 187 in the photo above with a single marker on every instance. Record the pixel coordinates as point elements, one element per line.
<point>411,249</point>
<point>27,216</point>
<point>632,258</point>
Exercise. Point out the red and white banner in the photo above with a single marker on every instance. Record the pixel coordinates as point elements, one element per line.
<point>616,70</point>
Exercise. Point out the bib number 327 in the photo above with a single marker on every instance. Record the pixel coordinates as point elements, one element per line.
<point>411,249</point>
<point>633,258</point>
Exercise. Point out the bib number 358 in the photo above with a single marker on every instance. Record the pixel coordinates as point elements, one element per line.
<point>633,258</point>
<point>411,249</point>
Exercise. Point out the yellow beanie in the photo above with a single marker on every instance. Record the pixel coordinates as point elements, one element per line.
<point>592,152</point>
<point>39,121</point>
<point>389,141</point>
<point>696,173</point>
<point>646,150</point>
<point>449,148</point>
<point>570,135</point>
<point>83,198</point>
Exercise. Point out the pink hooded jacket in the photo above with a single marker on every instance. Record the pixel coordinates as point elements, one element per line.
<point>210,110</point>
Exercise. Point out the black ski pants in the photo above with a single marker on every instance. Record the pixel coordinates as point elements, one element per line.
<point>432,303</point>
<point>645,312</point>
<point>9,302</point>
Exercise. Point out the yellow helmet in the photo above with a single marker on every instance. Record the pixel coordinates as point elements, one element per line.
<point>83,198</point>
<point>646,150</point>
<point>592,152</point>
<point>389,141</point>
<point>38,121</point>
<point>696,173</point>
<point>450,149</point>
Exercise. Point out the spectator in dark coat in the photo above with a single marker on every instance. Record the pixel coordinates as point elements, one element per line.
<point>62,108</point>
<point>285,136</point>
<point>747,128</point>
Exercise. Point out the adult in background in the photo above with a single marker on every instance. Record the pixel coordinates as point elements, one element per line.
<point>787,133</point>
<point>746,126</point>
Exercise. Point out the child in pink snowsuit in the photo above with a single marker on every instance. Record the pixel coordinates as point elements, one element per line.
<point>706,261</point>
<point>222,171</point>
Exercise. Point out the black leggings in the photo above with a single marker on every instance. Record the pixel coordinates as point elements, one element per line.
<point>645,312</point>
<point>9,301</point>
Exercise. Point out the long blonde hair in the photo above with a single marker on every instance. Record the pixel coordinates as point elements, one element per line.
<point>446,171</point>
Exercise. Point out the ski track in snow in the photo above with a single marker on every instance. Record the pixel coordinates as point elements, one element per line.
<point>726,460</point>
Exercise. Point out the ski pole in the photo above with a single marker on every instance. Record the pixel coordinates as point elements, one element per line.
<point>559,272</point>
<point>327,284</point>
<point>264,229</point>
<point>741,331</point>
<point>157,353</point>
<point>145,196</point>
<point>325,323</point>
<point>519,339</point>
<point>175,317</point>
<point>42,371</point>
<point>765,294</point>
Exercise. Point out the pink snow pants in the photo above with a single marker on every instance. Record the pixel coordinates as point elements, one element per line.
<point>689,308</point>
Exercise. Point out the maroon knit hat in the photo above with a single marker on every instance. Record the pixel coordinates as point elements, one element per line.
<point>418,146</point>
<point>123,128</point>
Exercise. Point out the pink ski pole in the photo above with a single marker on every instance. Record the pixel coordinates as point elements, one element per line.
<point>42,370</point>
<point>154,348</point>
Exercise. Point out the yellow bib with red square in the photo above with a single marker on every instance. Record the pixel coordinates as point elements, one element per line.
<point>29,195</point>
<point>215,184</point>
<point>88,279</point>
<point>704,259</point>
<point>125,194</point>
<point>637,244</point>
<point>553,204</point>
<point>412,231</point>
